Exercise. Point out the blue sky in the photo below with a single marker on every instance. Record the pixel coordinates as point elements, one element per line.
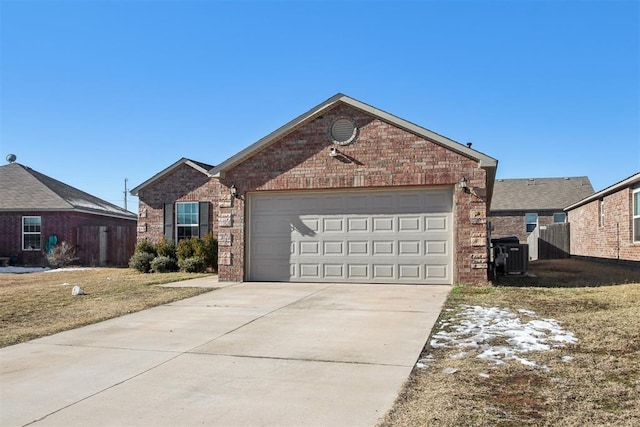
<point>93,92</point>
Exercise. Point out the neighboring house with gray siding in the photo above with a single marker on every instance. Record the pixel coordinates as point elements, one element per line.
<point>520,205</point>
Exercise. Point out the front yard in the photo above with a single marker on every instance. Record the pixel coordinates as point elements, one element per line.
<point>39,304</point>
<point>551,379</point>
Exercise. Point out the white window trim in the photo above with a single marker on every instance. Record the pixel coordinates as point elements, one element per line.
<point>39,233</point>
<point>634,217</point>
<point>178,226</point>
<point>526,223</point>
<point>601,213</point>
<point>559,213</point>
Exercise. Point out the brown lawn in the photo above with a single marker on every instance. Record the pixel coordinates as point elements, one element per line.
<point>598,385</point>
<point>38,304</point>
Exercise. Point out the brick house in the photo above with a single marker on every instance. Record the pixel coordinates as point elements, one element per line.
<point>520,205</point>
<point>37,211</point>
<point>606,225</point>
<point>343,193</point>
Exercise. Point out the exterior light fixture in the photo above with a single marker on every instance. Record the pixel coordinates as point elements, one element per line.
<point>463,184</point>
<point>234,190</point>
<point>333,152</point>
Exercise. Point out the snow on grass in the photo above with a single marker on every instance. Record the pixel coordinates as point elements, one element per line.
<point>39,269</point>
<point>498,334</point>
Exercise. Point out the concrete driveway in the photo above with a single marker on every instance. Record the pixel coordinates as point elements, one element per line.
<point>248,354</point>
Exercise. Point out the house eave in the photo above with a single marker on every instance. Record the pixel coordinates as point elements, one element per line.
<point>625,183</point>
<point>166,171</point>
<point>484,161</point>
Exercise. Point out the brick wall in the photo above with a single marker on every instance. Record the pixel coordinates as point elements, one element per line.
<point>64,225</point>
<point>382,157</point>
<point>513,223</point>
<point>184,184</point>
<point>612,239</point>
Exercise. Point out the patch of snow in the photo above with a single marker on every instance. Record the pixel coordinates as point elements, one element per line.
<point>57,270</point>
<point>476,328</point>
<point>23,269</point>
<point>449,371</point>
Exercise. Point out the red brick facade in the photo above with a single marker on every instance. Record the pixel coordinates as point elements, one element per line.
<point>383,156</point>
<point>184,184</point>
<point>609,237</point>
<point>67,226</point>
<point>513,223</point>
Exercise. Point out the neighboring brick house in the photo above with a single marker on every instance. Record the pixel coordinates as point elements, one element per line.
<point>520,205</point>
<point>606,225</point>
<point>343,193</point>
<point>37,211</point>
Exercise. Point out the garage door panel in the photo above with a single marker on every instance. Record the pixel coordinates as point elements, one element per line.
<point>367,237</point>
<point>358,225</point>
<point>333,225</point>
<point>411,223</point>
<point>382,247</point>
<point>333,248</point>
<point>409,247</point>
<point>383,224</point>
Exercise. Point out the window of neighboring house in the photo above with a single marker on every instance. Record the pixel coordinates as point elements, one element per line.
<point>559,217</point>
<point>31,233</point>
<point>601,212</point>
<point>636,215</point>
<point>186,220</point>
<point>531,220</point>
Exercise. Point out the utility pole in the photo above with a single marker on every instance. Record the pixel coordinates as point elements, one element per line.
<point>125,194</point>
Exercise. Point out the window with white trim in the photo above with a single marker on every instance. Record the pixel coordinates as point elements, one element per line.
<point>559,217</point>
<point>531,221</point>
<point>601,213</point>
<point>31,233</point>
<point>186,220</point>
<point>636,215</point>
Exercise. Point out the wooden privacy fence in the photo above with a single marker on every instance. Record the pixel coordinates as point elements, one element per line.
<point>99,245</point>
<point>554,242</point>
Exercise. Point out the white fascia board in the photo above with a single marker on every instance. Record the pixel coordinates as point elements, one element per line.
<point>483,160</point>
<point>627,182</point>
<point>184,160</point>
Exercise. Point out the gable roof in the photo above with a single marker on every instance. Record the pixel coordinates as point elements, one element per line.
<point>484,160</point>
<point>535,194</point>
<point>25,189</point>
<point>199,166</point>
<point>633,180</point>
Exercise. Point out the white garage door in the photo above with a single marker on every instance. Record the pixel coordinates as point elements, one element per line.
<point>399,236</point>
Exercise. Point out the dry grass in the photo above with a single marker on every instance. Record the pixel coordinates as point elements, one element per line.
<point>599,386</point>
<point>38,304</point>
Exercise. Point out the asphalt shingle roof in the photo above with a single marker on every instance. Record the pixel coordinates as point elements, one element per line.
<point>539,193</point>
<point>22,188</point>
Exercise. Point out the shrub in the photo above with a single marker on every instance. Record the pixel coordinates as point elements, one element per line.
<point>194,264</point>
<point>188,248</point>
<point>164,264</point>
<point>62,255</point>
<point>141,261</point>
<point>146,247</point>
<point>167,249</point>
<point>210,251</point>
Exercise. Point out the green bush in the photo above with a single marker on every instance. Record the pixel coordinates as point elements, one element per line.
<point>194,264</point>
<point>167,249</point>
<point>141,261</point>
<point>164,264</point>
<point>188,248</point>
<point>146,247</point>
<point>210,251</point>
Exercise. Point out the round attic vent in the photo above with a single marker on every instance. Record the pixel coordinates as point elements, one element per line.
<point>343,131</point>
